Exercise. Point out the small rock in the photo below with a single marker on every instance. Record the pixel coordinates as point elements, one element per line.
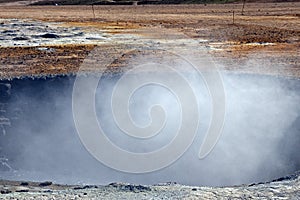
<point>24,183</point>
<point>22,190</point>
<point>135,188</point>
<point>46,183</point>
<point>8,31</point>
<point>47,191</point>
<point>49,35</point>
<point>20,38</point>
<point>5,191</point>
<point>142,188</point>
<point>85,187</point>
<point>114,184</point>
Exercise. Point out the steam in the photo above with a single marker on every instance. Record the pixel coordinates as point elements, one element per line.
<point>260,140</point>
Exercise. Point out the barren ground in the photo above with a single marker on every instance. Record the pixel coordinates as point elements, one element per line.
<point>267,32</point>
<point>284,188</point>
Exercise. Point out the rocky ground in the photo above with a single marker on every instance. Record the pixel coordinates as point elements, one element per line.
<point>284,188</point>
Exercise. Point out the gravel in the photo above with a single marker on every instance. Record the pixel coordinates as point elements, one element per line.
<point>287,188</point>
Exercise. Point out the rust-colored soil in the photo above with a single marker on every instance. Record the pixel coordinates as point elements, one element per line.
<point>247,37</point>
<point>20,60</point>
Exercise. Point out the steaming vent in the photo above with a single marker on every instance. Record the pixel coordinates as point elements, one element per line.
<point>260,140</point>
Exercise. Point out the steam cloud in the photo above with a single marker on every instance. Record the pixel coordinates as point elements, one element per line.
<point>260,140</point>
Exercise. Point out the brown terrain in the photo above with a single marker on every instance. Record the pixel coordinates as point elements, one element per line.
<point>267,32</point>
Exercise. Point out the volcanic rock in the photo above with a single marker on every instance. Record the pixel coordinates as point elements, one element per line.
<point>49,35</point>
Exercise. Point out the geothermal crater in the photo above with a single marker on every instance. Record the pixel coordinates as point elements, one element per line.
<point>260,140</point>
